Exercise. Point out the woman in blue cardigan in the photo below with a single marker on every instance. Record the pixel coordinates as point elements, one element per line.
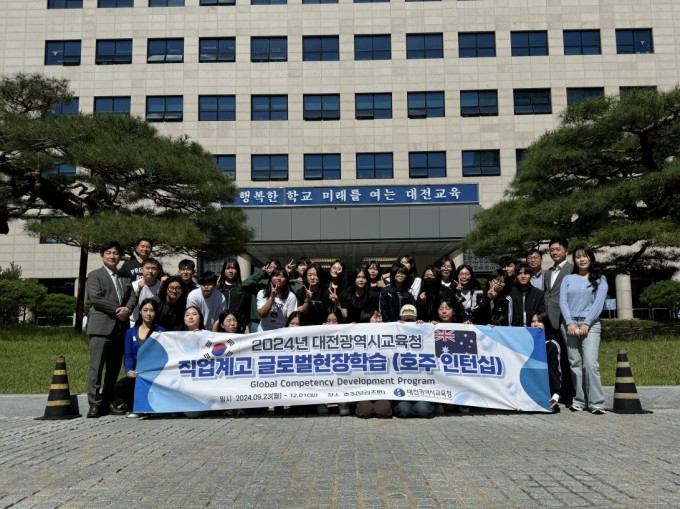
<point>124,390</point>
<point>582,296</point>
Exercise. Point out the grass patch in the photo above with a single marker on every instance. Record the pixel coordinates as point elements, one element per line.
<point>29,355</point>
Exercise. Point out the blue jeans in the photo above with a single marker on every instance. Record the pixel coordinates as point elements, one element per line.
<point>585,369</point>
<point>423,409</point>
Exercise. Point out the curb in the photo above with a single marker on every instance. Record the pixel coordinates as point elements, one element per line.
<point>653,397</point>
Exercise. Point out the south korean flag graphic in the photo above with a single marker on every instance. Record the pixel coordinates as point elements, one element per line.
<point>454,341</point>
<point>219,349</point>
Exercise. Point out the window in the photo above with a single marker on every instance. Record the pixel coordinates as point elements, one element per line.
<point>50,239</point>
<point>115,3</point>
<point>582,42</point>
<point>319,1</point>
<point>64,4</point>
<point>577,95</point>
<point>479,103</point>
<point>268,49</point>
<point>62,173</point>
<point>634,41</point>
<point>321,107</point>
<point>165,51</point>
<point>322,166</point>
<point>168,108</point>
<point>62,53</point>
<point>476,44</point>
<point>378,165</point>
<point>317,49</point>
<point>425,104</point>
<point>269,107</point>
<point>114,51</point>
<point>166,3</point>
<point>216,107</point>
<point>66,108</point>
<point>112,105</point>
<point>270,167</point>
<point>370,1</point>
<point>217,49</point>
<point>372,47</point>
<point>372,106</point>
<point>532,101</point>
<point>227,164</point>
<point>426,164</point>
<point>268,2</point>
<point>481,163</point>
<point>529,44</point>
<point>519,156</point>
<point>217,2</point>
<point>424,46</point>
<point>639,88</point>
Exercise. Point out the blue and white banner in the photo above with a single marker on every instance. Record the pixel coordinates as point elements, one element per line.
<point>491,367</point>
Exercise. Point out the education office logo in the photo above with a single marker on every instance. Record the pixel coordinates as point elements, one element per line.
<point>399,392</point>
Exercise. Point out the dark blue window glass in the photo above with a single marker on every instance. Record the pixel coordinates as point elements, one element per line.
<point>269,107</point>
<point>227,164</point>
<point>114,52</point>
<point>481,163</point>
<point>164,108</point>
<point>529,44</point>
<point>112,105</point>
<point>268,49</point>
<point>372,47</point>
<point>532,101</point>
<point>321,107</point>
<point>426,164</point>
<point>62,53</point>
<point>425,104</point>
<point>476,44</point>
<point>478,103</point>
<point>321,48</point>
<point>217,49</point>
<point>166,3</point>
<point>375,165</point>
<point>268,167</point>
<point>373,106</point>
<point>322,166</point>
<point>216,107</point>
<point>577,95</point>
<point>424,46</point>
<point>582,42</point>
<point>165,51</point>
<point>64,4</point>
<point>634,41</point>
<point>66,108</point>
<point>116,3</point>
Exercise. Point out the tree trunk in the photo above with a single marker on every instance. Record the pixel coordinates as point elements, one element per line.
<point>80,295</point>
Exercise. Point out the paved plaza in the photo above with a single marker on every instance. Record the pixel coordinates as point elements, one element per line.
<point>486,459</point>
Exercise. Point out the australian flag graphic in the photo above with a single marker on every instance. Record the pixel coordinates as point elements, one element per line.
<point>454,341</point>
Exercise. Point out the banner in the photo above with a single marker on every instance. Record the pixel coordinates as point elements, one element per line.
<point>479,366</point>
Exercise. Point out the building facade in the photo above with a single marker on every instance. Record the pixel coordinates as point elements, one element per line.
<point>354,129</point>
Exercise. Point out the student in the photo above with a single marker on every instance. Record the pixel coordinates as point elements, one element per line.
<point>527,300</point>
<point>172,302</point>
<point>235,297</point>
<point>207,299</point>
<point>495,305</point>
<point>396,294</point>
<point>276,302</point>
<point>147,324</point>
<point>193,320</point>
<point>447,271</point>
<point>313,298</point>
<point>535,260</point>
<point>258,280</point>
<point>357,297</point>
<point>227,322</point>
<point>467,293</point>
<point>582,296</point>
<point>410,263</point>
<point>429,296</point>
<point>553,356</point>
<point>132,268</point>
<point>146,287</point>
<point>186,271</point>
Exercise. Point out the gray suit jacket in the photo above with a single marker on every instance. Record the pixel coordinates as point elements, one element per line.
<point>101,291</point>
<point>552,293</point>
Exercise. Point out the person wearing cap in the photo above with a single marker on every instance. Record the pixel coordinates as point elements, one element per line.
<point>210,302</point>
<point>409,313</point>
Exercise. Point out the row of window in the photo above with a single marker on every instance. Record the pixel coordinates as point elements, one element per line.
<point>326,107</point>
<point>371,165</point>
<point>366,47</point>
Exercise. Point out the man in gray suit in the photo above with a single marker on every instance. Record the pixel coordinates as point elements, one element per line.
<point>112,302</point>
<point>552,280</point>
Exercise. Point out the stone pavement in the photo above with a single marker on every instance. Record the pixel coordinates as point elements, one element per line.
<point>487,459</point>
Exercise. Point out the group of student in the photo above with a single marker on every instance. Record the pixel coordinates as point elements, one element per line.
<point>565,300</point>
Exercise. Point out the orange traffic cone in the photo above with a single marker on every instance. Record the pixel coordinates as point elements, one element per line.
<point>626,398</point>
<point>60,405</point>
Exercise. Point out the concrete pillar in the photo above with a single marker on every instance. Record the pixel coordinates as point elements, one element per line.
<point>246,267</point>
<point>624,297</point>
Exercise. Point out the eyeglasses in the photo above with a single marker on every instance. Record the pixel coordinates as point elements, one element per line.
<point>174,288</point>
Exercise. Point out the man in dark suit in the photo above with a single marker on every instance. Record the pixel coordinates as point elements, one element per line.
<point>112,302</point>
<point>552,281</point>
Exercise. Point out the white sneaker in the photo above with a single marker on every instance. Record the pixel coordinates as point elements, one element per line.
<point>132,415</point>
<point>343,408</point>
<point>322,409</point>
<point>597,411</point>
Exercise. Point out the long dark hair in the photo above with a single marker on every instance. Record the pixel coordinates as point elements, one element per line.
<point>398,267</point>
<point>413,271</point>
<point>163,289</point>
<point>233,262</point>
<point>474,284</point>
<point>225,314</point>
<point>498,274</point>
<point>594,273</point>
<point>374,263</point>
<point>284,292</point>
<point>154,305</point>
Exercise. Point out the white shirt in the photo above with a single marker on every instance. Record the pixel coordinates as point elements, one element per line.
<point>278,314</point>
<point>211,308</point>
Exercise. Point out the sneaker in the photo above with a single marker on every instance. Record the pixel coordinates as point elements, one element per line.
<point>120,409</point>
<point>597,411</point>
<point>343,409</point>
<point>322,409</point>
<point>132,415</point>
<point>576,408</point>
